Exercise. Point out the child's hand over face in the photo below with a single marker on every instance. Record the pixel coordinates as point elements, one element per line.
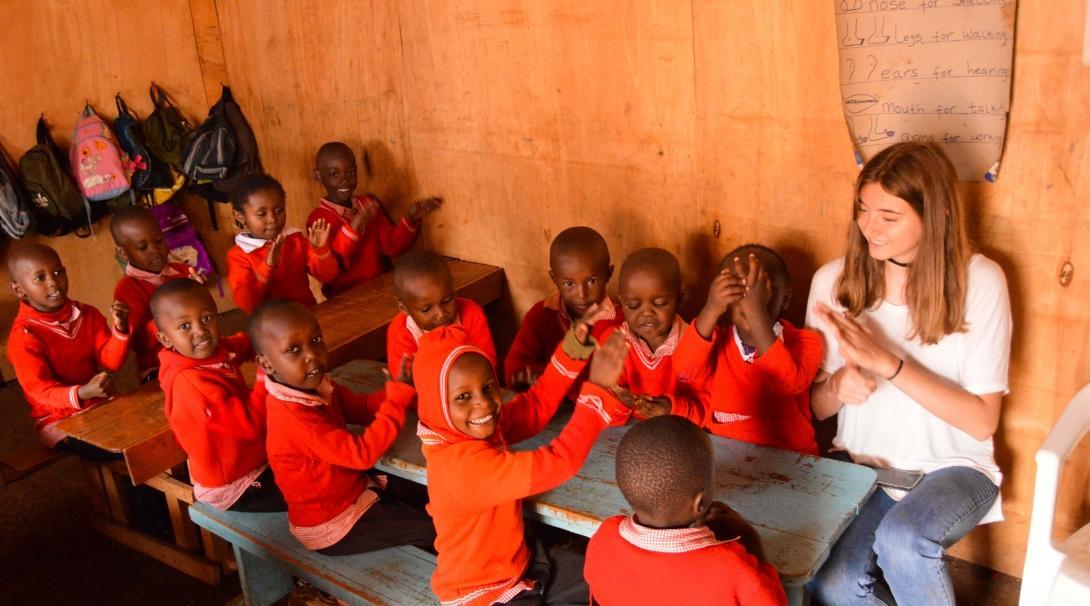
<point>728,524</point>
<point>119,313</point>
<point>725,289</point>
<point>274,253</point>
<point>100,386</point>
<point>608,361</point>
<point>653,406</point>
<point>752,318</point>
<point>318,234</point>
<point>422,208</point>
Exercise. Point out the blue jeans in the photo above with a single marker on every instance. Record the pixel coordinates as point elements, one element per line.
<point>893,552</point>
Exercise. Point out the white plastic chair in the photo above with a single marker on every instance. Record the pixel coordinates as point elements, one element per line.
<point>1057,574</point>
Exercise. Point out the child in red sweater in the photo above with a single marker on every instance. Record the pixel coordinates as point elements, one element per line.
<point>62,350</point>
<point>759,368</point>
<point>218,420</point>
<point>580,267</point>
<point>268,261</point>
<point>679,546</point>
<point>334,506</point>
<point>649,289</point>
<point>476,483</point>
<point>141,244</point>
<point>361,233</point>
<point>425,296</point>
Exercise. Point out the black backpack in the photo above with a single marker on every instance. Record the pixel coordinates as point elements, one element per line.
<point>15,217</point>
<point>165,130</point>
<point>149,172</point>
<point>59,208</point>
<point>209,153</point>
<point>246,159</point>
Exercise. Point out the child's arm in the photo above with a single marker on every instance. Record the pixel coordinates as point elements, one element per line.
<point>476,326</point>
<point>111,341</point>
<point>694,359</point>
<point>394,240</point>
<point>343,239</point>
<point>527,350</point>
<point>337,446</point>
<point>249,281</point>
<point>207,405</point>
<point>35,375</point>
<point>791,364</point>
<point>320,261</point>
<point>240,344</point>
<point>399,343</point>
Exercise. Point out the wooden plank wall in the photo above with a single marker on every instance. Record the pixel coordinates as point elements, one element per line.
<point>650,120</point>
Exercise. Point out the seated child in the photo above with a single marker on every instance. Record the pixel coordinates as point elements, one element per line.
<point>218,420</point>
<point>268,261</point>
<point>476,483</point>
<point>62,350</point>
<point>334,506</point>
<point>649,289</point>
<point>579,266</point>
<point>360,232</point>
<point>679,546</point>
<point>758,369</point>
<point>141,244</point>
<point>425,295</point>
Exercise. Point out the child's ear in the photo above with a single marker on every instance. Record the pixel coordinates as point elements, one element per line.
<point>17,290</point>
<point>240,220</point>
<point>552,276</point>
<point>317,175</point>
<point>699,505</point>
<point>401,306</point>
<point>121,253</point>
<point>263,363</point>
<point>164,340</point>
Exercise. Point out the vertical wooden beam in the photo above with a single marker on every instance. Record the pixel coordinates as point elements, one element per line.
<point>206,32</point>
<point>92,473</point>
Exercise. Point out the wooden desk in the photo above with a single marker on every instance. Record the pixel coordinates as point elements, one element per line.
<point>799,504</point>
<point>134,424</point>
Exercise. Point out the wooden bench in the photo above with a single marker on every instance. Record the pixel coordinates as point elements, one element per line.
<point>268,556</point>
<point>21,463</point>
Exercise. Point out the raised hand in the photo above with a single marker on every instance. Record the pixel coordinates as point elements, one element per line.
<point>419,209</point>
<point>197,275</point>
<point>857,343</point>
<point>274,253</point>
<point>725,289</point>
<point>608,362</point>
<point>362,213</point>
<point>583,325</point>
<point>119,314</point>
<point>318,233</point>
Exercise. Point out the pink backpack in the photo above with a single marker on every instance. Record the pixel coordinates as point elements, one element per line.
<point>97,164</point>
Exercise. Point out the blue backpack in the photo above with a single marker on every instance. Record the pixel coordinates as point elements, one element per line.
<point>149,172</point>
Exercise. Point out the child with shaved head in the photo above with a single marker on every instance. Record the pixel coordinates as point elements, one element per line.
<point>62,350</point>
<point>426,298</point>
<point>757,367</point>
<point>679,546</point>
<point>579,266</point>
<point>140,242</point>
<point>360,232</point>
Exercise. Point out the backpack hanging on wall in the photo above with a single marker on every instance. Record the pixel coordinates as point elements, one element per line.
<point>98,164</point>
<point>15,216</point>
<point>209,153</point>
<point>246,159</point>
<point>165,130</point>
<point>58,206</point>
<point>148,172</point>
<point>183,240</point>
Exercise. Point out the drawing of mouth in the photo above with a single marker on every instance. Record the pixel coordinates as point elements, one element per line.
<point>859,102</point>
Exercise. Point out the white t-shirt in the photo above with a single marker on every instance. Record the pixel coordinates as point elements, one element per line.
<point>890,429</point>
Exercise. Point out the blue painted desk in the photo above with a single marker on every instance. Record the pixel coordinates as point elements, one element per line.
<point>799,504</point>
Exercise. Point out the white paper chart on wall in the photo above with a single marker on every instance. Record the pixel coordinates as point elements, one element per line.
<point>928,70</point>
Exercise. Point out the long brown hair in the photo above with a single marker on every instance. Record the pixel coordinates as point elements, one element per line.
<point>922,175</point>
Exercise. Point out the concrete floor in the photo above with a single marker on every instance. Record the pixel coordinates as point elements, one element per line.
<point>48,555</point>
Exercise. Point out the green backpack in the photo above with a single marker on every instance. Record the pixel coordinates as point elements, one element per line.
<point>166,130</point>
<point>58,206</point>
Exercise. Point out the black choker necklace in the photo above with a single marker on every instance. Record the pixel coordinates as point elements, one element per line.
<point>896,262</point>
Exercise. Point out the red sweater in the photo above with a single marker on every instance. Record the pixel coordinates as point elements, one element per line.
<point>766,402</point>
<point>651,373</point>
<point>210,409</point>
<point>476,486</point>
<point>634,567</point>
<point>541,331</point>
<point>136,293</point>
<point>403,335</point>
<point>55,353</point>
<point>359,256</point>
<point>317,462</point>
<point>253,281</point>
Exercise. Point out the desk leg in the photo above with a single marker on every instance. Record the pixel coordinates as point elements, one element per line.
<point>263,583</point>
<point>92,475</point>
<point>796,595</point>
<point>117,496</point>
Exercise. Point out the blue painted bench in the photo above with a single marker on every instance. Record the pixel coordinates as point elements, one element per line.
<point>268,556</point>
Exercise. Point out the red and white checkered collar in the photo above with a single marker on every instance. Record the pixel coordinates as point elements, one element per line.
<point>63,322</point>
<point>417,332</point>
<point>667,540</point>
<point>290,394</point>
<point>555,303</point>
<point>652,359</point>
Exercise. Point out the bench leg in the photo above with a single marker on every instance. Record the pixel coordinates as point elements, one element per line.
<point>796,595</point>
<point>263,583</point>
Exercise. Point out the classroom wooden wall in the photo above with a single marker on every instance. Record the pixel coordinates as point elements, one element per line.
<point>653,121</point>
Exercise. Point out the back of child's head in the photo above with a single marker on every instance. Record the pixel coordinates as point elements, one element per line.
<point>657,262</point>
<point>173,293</point>
<point>663,463</point>
<point>420,264</point>
<point>579,241</point>
<point>333,149</point>
<point>251,183</point>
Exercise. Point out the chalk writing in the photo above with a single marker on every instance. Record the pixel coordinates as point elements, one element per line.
<point>928,70</point>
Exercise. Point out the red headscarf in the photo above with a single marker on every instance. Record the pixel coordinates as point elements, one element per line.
<point>439,350</point>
